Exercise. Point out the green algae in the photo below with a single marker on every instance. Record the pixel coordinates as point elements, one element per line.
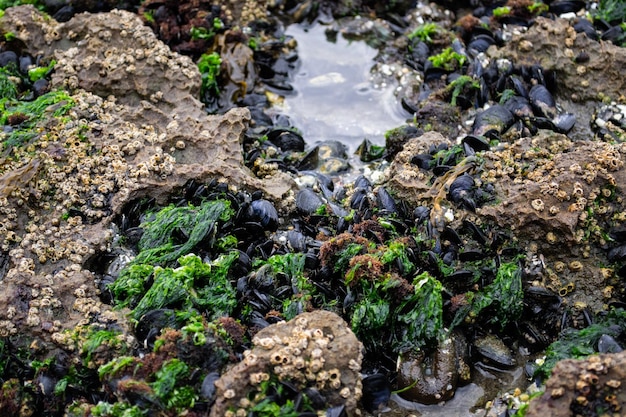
<point>579,344</point>
<point>448,59</point>
<point>194,284</point>
<point>504,297</point>
<point>159,245</point>
<point>419,320</point>
<point>169,385</point>
<point>209,67</point>
<point>425,32</point>
<point>57,103</point>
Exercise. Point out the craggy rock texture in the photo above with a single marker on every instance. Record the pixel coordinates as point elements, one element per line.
<point>407,180</point>
<point>139,131</point>
<point>315,349</point>
<point>582,387</point>
<point>551,192</point>
<point>600,76</point>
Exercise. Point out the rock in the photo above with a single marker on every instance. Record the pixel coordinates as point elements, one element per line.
<point>406,179</point>
<point>602,74</point>
<point>581,387</point>
<point>314,350</point>
<point>432,378</point>
<point>136,130</point>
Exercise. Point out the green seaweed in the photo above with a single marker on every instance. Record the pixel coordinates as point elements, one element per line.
<point>115,365</point>
<point>613,11</point>
<point>118,409</point>
<point>425,32</point>
<point>349,252</point>
<point>194,284</point>
<point>169,385</point>
<point>371,315</point>
<point>397,250</point>
<point>448,59</point>
<point>32,111</point>
<point>419,320</point>
<point>130,286</point>
<point>501,11</point>
<point>5,4</point>
<point>209,67</point>
<point>461,83</point>
<point>578,344</point>
<point>504,295</point>
<point>538,8</point>
<point>157,245</point>
<point>38,73</point>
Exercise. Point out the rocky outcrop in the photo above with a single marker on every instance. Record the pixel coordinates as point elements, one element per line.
<point>315,350</point>
<point>583,387</point>
<point>135,130</point>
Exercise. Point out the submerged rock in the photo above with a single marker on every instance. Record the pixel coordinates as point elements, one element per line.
<point>314,351</point>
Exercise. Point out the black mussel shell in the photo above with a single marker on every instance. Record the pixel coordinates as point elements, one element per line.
<point>520,107</point>
<point>493,122</point>
<point>8,57</point>
<point>208,389</point>
<point>472,144</point>
<point>287,140</point>
<point>263,211</point>
<point>618,234</point>
<point>421,213</point>
<point>585,26</point>
<point>566,6</point>
<point>480,43</point>
<point>564,122</point>
<point>494,350</point>
<point>337,411</point>
<point>308,202</point>
<point>385,201</point>
<point>376,392</point>
<point>542,101</point>
<point>461,188</point>
<point>617,254</point>
<point>615,34</point>
<point>422,161</point>
<point>432,73</point>
<point>367,151</point>
<point>607,344</point>
<point>439,170</point>
<point>150,325</point>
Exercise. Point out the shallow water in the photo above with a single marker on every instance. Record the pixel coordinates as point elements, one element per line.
<point>335,99</point>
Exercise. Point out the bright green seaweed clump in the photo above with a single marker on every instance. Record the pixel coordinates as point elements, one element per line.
<point>151,280</point>
<point>158,246</point>
<point>420,318</point>
<point>195,284</point>
<point>579,344</point>
<point>505,296</point>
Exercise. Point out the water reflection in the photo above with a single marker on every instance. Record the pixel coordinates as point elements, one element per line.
<point>335,99</point>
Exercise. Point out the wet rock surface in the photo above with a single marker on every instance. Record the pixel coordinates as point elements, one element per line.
<point>511,211</point>
<point>581,387</point>
<point>315,351</point>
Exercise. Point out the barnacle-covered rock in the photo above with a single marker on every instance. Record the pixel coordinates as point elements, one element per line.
<point>137,131</point>
<point>583,386</point>
<point>315,350</point>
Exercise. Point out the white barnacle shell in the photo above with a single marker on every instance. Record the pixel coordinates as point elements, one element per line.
<point>265,342</point>
<point>250,359</point>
